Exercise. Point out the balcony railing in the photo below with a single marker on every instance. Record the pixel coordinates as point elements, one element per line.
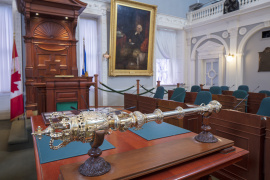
<point>216,10</point>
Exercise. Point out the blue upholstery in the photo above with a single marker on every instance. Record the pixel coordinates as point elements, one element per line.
<point>203,97</point>
<point>179,95</point>
<point>265,92</point>
<point>241,94</point>
<point>224,88</point>
<point>195,88</point>
<point>244,88</point>
<point>264,109</point>
<point>159,92</point>
<point>215,90</point>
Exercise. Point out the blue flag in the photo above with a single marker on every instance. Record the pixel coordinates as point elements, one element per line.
<point>84,61</point>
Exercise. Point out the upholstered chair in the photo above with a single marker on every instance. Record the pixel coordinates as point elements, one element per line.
<point>243,87</point>
<point>224,88</point>
<point>203,97</point>
<point>215,90</point>
<point>179,95</point>
<point>159,92</point>
<point>264,109</point>
<point>241,94</point>
<point>195,88</point>
<point>265,92</point>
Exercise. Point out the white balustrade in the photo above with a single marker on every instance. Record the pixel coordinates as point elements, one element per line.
<point>216,10</point>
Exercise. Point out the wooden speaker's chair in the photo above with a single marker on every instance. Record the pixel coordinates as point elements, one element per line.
<point>224,88</point>
<point>264,109</point>
<point>215,90</point>
<point>159,92</point>
<point>179,95</point>
<point>243,87</point>
<point>265,92</point>
<point>203,97</point>
<point>195,88</point>
<point>241,94</point>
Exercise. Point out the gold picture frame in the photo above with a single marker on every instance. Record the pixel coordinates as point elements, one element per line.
<point>132,32</point>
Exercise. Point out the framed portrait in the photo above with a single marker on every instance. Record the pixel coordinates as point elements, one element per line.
<point>132,32</point>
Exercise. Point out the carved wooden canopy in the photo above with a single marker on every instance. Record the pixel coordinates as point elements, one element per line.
<point>50,42</point>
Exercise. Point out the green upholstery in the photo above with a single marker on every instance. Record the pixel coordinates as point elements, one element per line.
<point>159,92</point>
<point>244,88</point>
<point>179,95</point>
<point>264,109</point>
<point>241,94</point>
<point>65,106</point>
<point>265,92</point>
<point>203,97</point>
<point>215,90</point>
<point>195,88</point>
<point>224,88</point>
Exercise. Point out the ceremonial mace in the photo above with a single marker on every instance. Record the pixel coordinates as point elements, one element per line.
<point>91,127</point>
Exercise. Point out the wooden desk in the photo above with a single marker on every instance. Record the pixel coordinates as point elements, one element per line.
<point>128,141</point>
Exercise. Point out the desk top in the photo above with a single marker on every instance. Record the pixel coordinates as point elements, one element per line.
<point>127,141</point>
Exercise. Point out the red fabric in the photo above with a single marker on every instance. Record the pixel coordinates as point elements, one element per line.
<point>16,100</point>
<point>15,77</point>
<point>16,106</point>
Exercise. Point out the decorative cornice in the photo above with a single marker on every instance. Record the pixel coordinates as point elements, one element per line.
<point>170,21</point>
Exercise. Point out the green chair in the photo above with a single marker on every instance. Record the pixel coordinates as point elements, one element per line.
<point>195,88</point>
<point>215,90</point>
<point>224,88</point>
<point>265,92</point>
<point>243,87</point>
<point>203,97</point>
<point>179,95</point>
<point>264,109</point>
<point>242,95</point>
<point>159,92</point>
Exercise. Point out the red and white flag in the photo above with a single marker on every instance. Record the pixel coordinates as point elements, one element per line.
<point>16,90</point>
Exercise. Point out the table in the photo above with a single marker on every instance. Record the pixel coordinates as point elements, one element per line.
<point>127,141</point>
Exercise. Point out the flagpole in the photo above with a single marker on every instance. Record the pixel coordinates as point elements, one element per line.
<point>13,53</point>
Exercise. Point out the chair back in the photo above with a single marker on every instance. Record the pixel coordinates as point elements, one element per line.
<point>215,90</point>
<point>203,97</point>
<point>243,87</point>
<point>179,95</point>
<point>264,109</point>
<point>224,88</point>
<point>195,88</point>
<point>265,92</point>
<point>159,92</point>
<point>240,94</point>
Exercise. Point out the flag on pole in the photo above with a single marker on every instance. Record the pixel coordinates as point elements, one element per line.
<point>16,91</point>
<point>84,71</point>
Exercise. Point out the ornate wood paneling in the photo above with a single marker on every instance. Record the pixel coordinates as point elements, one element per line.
<point>248,132</point>
<point>50,42</point>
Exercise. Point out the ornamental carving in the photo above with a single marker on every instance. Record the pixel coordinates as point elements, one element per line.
<point>243,31</point>
<point>51,30</point>
<point>225,34</point>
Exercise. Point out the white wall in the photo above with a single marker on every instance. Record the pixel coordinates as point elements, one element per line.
<point>252,77</point>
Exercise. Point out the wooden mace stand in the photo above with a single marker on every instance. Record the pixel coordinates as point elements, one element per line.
<point>206,136</point>
<point>95,165</point>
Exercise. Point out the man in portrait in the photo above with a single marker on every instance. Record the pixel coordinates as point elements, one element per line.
<point>137,38</point>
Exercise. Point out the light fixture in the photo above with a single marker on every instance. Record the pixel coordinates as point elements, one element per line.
<point>229,57</point>
<point>37,14</point>
<point>66,17</point>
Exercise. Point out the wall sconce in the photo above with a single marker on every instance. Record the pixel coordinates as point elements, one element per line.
<point>37,14</point>
<point>230,57</point>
